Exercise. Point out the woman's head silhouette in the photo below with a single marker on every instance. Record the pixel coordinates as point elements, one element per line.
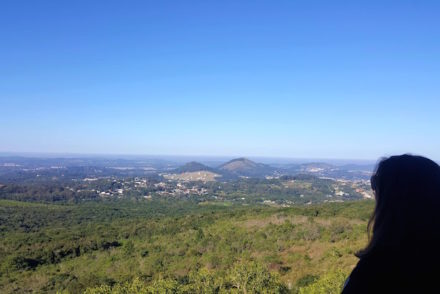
<point>407,212</point>
<point>402,254</point>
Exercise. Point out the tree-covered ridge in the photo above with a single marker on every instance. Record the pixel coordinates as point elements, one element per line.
<point>49,248</point>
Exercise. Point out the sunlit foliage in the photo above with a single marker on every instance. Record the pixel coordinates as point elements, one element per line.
<point>178,246</point>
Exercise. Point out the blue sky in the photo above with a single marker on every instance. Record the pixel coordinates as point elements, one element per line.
<point>313,79</point>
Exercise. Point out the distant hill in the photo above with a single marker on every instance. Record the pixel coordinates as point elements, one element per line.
<point>315,166</point>
<point>245,167</point>
<point>311,167</point>
<point>193,166</point>
<point>322,169</point>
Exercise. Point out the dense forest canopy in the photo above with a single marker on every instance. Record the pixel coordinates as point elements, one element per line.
<point>181,246</point>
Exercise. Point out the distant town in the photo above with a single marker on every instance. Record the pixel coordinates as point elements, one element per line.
<point>239,180</point>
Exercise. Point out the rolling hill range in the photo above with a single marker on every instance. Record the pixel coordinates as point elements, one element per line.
<point>236,168</point>
<point>193,166</point>
<point>246,168</point>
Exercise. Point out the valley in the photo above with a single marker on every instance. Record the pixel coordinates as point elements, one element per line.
<point>122,226</point>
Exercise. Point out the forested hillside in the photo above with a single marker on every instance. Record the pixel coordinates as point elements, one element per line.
<point>181,246</point>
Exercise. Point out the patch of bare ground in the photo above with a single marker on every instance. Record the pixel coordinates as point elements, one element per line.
<point>206,176</point>
<point>36,281</point>
<point>275,219</point>
<point>335,220</point>
<point>310,260</point>
<point>314,250</point>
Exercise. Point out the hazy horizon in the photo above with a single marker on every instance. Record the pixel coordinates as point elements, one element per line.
<point>193,157</point>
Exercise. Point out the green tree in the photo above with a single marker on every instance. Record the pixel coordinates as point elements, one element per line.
<point>330,283</point>
<point>253,277</point>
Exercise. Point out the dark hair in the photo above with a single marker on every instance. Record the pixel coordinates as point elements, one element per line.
<point>406,217</point>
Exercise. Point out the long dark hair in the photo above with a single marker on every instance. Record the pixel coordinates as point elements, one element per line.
<point>406,217</point>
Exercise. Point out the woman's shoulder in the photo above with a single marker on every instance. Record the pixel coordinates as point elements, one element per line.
<point>388,272</point>
<point>368,275</point>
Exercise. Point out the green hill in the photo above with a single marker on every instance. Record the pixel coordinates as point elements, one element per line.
<point>246,168</point>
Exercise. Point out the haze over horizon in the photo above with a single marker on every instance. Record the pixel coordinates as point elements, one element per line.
<point>306,79</point>
<point>182,159</point>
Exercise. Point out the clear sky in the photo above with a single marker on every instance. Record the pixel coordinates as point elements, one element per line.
<point>314,79</point>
